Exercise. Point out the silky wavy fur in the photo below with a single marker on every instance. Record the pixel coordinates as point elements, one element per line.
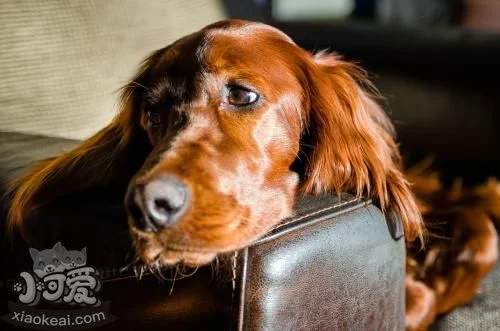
<point>88,165</point>
<point>354,146</point>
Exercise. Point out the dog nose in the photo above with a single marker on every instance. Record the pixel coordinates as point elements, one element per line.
<point>158,204</point>
<point>164,200</point>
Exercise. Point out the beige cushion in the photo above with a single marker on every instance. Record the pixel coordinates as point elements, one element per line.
<point>62,61</point>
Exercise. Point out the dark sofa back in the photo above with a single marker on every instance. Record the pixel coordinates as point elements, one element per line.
<point>441,88</point>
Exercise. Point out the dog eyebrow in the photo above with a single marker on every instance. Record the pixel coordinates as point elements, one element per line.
<point>166,90</point>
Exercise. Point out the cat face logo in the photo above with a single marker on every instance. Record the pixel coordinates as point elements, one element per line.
<point>57,259</point>
<point>73,259</point>
<point>47,261</point>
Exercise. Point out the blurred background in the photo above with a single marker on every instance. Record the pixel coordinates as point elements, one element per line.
<point>436,62</point>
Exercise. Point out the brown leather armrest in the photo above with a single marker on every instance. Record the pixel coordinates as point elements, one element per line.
<point>334,266</point>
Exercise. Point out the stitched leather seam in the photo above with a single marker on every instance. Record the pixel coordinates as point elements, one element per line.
<point>233,278</point>
<point>239,286</point>
<point>314,213</point>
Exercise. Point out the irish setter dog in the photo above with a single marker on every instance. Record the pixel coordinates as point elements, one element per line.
<point>220,131</point>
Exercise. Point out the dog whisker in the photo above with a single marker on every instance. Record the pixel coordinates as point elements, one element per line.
<point>142,268</point>
<point>160,273</point>
<point>152,270</point>
<point>186,275</point>
<point>214,267</point>
<point>139,85</point>
<point>173,281</point>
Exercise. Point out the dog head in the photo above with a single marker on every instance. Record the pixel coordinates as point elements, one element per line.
<point>217,134</point>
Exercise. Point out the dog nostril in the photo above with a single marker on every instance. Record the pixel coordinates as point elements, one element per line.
<point>163,205</point>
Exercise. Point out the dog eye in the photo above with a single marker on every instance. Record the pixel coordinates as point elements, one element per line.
<point>153,118</point>
<point>54,261</point>
<point>41,264</point>
<point>240,96</point>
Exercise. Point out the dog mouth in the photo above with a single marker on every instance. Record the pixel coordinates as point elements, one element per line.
<point>155,252</point>
<point>165,256</point>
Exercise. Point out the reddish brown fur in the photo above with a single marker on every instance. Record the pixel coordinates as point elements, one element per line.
<point>462,248</point>
<point>420,305</point>
<point>317,115</point>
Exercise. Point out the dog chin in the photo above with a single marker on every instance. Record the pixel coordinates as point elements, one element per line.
<point>190,259</point>
<point>158,255</point>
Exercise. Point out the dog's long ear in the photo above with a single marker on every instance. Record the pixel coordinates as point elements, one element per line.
<point>350,142</point>
<point>108,159</point>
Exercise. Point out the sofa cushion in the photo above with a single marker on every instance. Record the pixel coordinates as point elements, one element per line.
<point>62,62</point>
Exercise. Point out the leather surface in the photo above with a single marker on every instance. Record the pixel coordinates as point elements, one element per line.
<point>339,269</point>
<point>334,265</point>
